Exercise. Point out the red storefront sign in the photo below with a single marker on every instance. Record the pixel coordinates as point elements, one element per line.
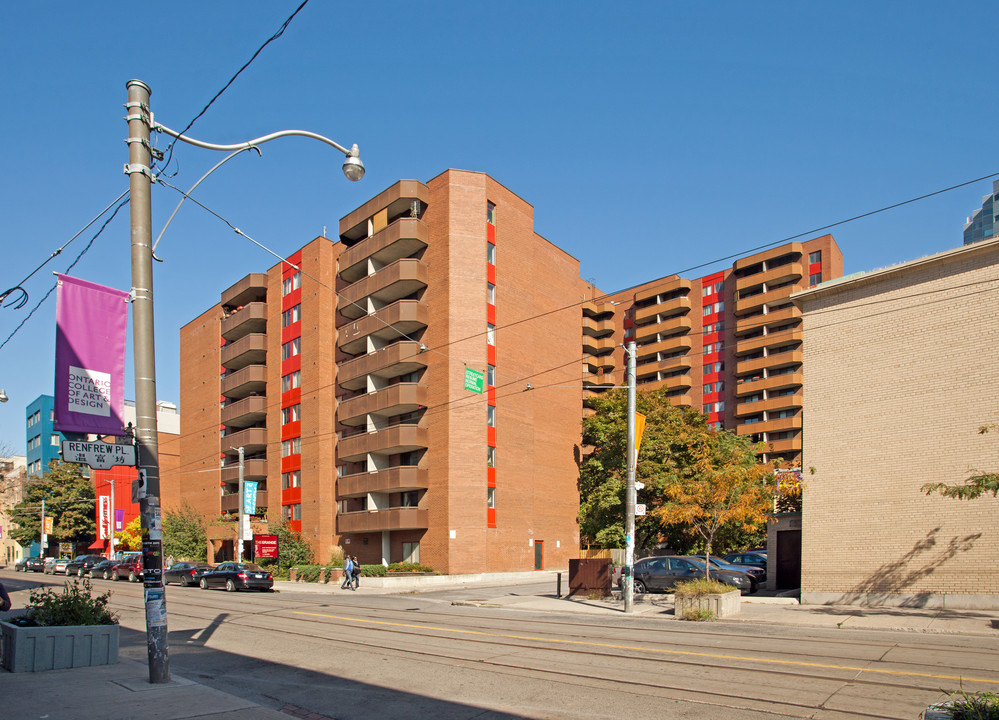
<point>265,546</point>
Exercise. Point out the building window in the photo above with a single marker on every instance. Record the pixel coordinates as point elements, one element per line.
<point>491,375</point>
<point>292,282</point>
<point>291,447</point>
<point>490,456</point>
<point>291,479</point>
<point>490,213</point>
<point>491,498</point>
<point>490,253</point>
<point>815,257</point>
<point>490,293</point>
<point>291,348</point>
<point>714,407</point>
<point>291,381</point>
<point>54,440</point>
<point>410,459</point>
<point>411,552</point>
<point>291,315</point>
<point>491,415</point>
<point>410,498</point>
<point>490,334</point>
<point>815,278</point>
<point>291,414</point>
<point>291,512</point>
<point>706,290</point>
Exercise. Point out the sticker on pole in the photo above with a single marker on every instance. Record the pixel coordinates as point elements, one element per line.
<point>639,509</point>
<point>156,607</point>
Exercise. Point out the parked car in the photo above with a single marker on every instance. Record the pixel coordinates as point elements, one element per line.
<point>81,564</point>
<point>758,573</point>
<point>28,563</point>
<point>237,576</point>
<point>185,573</point>
<point>751,558</point>
<point>664,571</point>
<point>55,565</point>
<point>35,564</point>
<point>130,567</point>
<point>104,569</point>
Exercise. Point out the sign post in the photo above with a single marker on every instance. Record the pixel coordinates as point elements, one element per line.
<point>98,455</point>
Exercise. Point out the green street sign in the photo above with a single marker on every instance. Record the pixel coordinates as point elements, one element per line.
<point>474,380</point>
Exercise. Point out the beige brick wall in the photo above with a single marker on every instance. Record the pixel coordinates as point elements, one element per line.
<point>900,372</point>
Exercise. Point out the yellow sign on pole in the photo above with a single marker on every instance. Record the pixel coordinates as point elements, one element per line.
<point>48,524</point>
<point>639,430</point>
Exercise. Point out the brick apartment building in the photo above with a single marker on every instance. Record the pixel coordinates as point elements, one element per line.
<point>342,376</point>
<point>906,355</point>
<point>729,343</point>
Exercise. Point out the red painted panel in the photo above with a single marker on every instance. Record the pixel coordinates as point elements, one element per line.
<point>291,430</point>
<point>815,268</point>
<point>291,332</point>
<point>490,313</point>
<point>292,462</point>
<point>491,233</point>
<point>291,365</point>
<point>286,269</point>
<point>491,517</point>
<point>291,299</point>
<point>491,354</point>
<point>291,397</point>
<point>491,273</point>
<point>295,525</point>
<point>491,396</point>
<point>490,477</point>
<point>291,496</point>
<point>491,436</point>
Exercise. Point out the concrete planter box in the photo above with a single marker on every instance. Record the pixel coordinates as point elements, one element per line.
<point>31,649</point>
<point>719,604</point>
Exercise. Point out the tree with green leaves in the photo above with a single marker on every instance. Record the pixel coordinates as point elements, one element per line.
<point>974,487</point>
<point>293,549</point>
<point>130,537</point>
<point>184,534</point>
<point>69,500</point>
<point>677,448</point>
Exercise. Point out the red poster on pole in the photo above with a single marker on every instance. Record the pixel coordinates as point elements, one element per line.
<point>265,547</point>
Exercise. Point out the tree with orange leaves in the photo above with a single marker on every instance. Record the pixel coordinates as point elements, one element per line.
<point>721,483</point>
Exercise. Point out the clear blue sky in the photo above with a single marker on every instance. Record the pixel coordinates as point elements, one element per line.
<point>650,137</point>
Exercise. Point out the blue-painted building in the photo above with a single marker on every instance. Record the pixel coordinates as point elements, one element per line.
<point>42,441</point>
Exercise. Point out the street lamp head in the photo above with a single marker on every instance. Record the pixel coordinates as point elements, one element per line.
<point>353,168</point>
<point>3,396</point>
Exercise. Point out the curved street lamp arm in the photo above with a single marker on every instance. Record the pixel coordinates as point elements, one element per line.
<point>219,164</point>
<point>259,141</point>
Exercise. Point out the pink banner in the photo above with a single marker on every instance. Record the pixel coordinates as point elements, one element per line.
<point>91,324</point>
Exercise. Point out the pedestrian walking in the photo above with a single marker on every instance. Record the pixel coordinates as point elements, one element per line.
<point>356,573</point>
<point>348,572</point>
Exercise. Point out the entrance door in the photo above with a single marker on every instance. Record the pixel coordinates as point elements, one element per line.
<point>788,559</point>
<point>539,554</point>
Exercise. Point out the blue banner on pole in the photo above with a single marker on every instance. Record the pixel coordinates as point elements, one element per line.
<point>250,497</point>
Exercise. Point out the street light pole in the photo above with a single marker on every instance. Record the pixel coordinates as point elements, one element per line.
<point>139,117</point>
<point>242,510</point>
<point>629,491</point>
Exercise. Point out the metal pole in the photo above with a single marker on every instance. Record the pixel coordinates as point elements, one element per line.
<point>629,491</point>
<point>143,348</point>
<point>43,540</point>
<point>111,522</point>
<point>242,510</point>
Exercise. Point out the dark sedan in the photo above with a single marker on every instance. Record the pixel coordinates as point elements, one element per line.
<point>103,569</point>
<point>33,563</point>
<point>237,576</point>
<point>663,572</point>
<point>81,564</point>
<point>758,573</point>
<point>750,558</point>
<point>185,573</point>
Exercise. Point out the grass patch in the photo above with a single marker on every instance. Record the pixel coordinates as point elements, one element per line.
<point>698,615</point>
<point>694,588</point>
<point>981,705</point>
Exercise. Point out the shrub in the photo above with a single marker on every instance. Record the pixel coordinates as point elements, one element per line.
<point>373,571</point>
<point>693,588</point>
<point>982,705</point>
<point>76,605</point>
<point>408,567</point>
<point>698,615</point>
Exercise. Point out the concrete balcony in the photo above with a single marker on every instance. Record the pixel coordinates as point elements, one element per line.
<point>788,272</point>
<point>793,249</point>
<point>761,300</point>
<point>255,469</point>
<point>248,350</point>
<point>667,309</point>
<point>784,402</point>
<point>775,382</point>
<point>402,239</point>
<point>783,446</point>
<point>391,203</point>
<point>746,367</point>
<point>396,359</point>
<point>596,309</point>
<point>252,440</point>
<point>776,317</point>
<point>396,479</point>
<point>230,503</point>
<point>251,380</point>
<point>668,346</point>
<point>400,518</point>
<point>390,441</point>
<point>403,317</point>
<point>392,282</point>
<point>667,365</point>
<point>597,328</point>
<point>670,285</point>
<point>390,401</point>
<point>252,318</point>
<point>598,346</point>
<point>673,326</point>
<point>243,413</point>
<point>777,425</point>
<point>252,288</point>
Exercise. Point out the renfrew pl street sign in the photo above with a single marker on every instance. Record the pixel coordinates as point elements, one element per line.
<point>98,455</point>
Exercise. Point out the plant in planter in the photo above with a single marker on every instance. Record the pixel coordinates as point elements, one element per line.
<point>982,705</point>
<point>61,630</point>
<point>704,599</point>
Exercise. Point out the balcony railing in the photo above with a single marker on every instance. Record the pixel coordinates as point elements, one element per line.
<point>399,319</point>
<point>390,283</point>
<point>390,441</point>
<point>248,350</point>
<point>245,412</point>
<point>395,479</point>
<point>251,380</point>
<point>251,288</point>
<point>400,358</point>
<point>252,470</point>
<point>399,518</point>
<point>395,399</point>
<point>403,238</point>
<point>251,318</point>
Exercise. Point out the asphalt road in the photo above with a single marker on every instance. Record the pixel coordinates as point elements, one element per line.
<point>348,656</point>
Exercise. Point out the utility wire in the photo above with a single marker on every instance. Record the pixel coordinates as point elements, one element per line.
<point>71,265</point>
<point>272,38</point>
